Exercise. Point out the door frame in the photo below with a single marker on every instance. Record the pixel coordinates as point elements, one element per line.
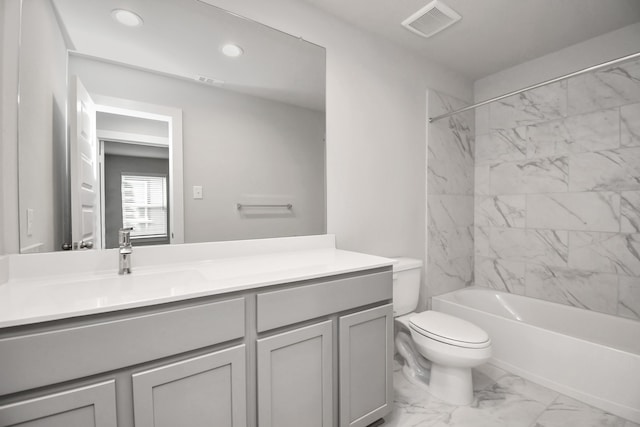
<point>171,115</point>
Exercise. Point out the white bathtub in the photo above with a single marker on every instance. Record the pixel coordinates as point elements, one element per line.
<point>590,356</point>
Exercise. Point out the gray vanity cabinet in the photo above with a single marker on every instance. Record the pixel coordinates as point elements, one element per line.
<point>365,366</point>
<point>207,390</point>
<point>335,372</point>
<point>295,373</point>
<point>315,353</point>
<point>90,406</point>
<point>177,361</point>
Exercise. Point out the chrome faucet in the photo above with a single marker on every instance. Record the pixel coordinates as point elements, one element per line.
<point>124,238</point>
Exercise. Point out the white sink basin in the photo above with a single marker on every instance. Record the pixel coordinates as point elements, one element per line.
<point>32,297</point>
<point>88,294</point>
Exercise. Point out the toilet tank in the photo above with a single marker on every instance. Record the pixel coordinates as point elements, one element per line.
<point>406,285</point>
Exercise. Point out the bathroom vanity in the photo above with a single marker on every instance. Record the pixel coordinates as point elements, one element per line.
<point>282,332</point>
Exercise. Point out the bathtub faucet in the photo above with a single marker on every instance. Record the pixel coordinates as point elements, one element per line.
<point>124,257</point>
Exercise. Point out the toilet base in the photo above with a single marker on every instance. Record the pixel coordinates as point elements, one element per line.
<point>452,385</point>
<point>415,367</point>
<point>410,375</point>
<point>449,384</point>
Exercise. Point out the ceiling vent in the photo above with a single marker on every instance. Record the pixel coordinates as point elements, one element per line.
<point>431,19</point>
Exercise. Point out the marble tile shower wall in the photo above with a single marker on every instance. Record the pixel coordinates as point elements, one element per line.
<point>557,192</point>
<point>450,198</point>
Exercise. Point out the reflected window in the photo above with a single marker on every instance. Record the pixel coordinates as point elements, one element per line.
<point>144,205</point>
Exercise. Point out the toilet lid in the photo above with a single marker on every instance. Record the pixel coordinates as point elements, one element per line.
<point>449,329</point>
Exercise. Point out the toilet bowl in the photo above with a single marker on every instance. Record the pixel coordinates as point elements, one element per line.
<point>451,346</point>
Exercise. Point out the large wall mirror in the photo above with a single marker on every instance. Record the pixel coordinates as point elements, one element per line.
<point>132,115</point>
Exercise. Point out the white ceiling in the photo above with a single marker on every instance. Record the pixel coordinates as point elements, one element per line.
<point>183,38</point>
<point>493,34</point>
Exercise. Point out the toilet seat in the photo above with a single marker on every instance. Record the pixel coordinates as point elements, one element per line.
<point>449,330</point>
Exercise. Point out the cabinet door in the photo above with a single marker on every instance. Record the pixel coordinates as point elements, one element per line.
<point>295,375</point>
<point>205,391</point>
<point>90,406</point>
<point>366,370</point>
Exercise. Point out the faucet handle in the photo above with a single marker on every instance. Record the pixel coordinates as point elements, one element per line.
<point>124,236</point>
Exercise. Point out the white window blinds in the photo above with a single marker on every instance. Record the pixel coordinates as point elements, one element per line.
<point>144,205</point>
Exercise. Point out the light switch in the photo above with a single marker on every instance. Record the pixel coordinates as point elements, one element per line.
<point>197,192</point>
<point>30,214</point>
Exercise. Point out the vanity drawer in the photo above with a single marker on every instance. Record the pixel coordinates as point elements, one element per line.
<point>38,359</point>
<point>297,304</point>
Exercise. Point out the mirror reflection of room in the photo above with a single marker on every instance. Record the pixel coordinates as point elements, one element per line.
<point>233,136</point>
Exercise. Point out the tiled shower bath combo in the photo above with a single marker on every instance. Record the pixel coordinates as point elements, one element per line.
<point>557,192</point>
<point>538,194</point>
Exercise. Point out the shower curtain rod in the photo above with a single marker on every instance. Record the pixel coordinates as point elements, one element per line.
<point>535,86</point>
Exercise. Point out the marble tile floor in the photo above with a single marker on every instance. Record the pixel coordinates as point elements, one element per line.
<point>501,400</point>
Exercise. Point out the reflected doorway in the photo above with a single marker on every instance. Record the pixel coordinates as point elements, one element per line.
<point>136,182</point>
<point>140,157</point>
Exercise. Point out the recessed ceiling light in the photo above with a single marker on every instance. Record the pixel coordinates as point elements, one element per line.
<point>126,17</point>
<point>232,50</point>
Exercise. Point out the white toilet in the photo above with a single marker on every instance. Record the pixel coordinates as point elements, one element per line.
<point>452,346</point>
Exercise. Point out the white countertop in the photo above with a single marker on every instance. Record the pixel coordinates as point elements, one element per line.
<point>28,300</point>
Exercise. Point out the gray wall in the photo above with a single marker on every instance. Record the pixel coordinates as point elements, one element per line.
<point>9,230</point>
<point>234,145</point>
<point>43,101</point>
<point>114,167</point>
<point>2,116</point>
